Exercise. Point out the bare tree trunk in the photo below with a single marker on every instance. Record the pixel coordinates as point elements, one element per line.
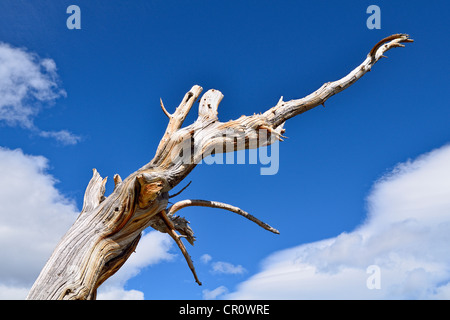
<point>108,229</point>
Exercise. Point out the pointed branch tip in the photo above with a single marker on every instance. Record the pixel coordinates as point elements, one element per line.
<point>117,180</point>
<point>280,101</point>
<point>164,109</point>
<point>176,194</point>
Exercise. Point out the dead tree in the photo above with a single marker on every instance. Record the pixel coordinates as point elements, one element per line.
<point>108,229</point>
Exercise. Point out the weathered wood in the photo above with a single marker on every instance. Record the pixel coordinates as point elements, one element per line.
<point>108,229</point>
<point>220,205</point>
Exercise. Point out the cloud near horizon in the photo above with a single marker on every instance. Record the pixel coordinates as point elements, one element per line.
<point>406,235</point>
<point>34,216</point>
<point>27,83</point>
<point>154,247</point>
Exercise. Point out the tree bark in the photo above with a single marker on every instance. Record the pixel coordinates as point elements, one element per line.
<point>108,229</point>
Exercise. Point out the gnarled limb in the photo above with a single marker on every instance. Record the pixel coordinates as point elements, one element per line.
<point>175,223</point>
<point>177,238</point>
<point>220,205</point>
<point>286,110</point>
<point>207,133</point>
<point>109,228</point>
<point>177,118</point>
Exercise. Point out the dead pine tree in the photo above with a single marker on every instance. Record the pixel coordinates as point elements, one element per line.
<point>108,229</point>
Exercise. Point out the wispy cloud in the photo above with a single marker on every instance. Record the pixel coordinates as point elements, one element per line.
<point>213,294</point>
<point>27,83</point>
<point>406,235</point>
<point>219,267</point>
<point>205,258</point>
<point>63,136</point>
<point>227,268</point>
<point>222,266</point>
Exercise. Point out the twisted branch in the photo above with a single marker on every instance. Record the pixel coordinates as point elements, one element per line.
<point>177,238</point>
<point>220,205</point>
<point>170,227</point>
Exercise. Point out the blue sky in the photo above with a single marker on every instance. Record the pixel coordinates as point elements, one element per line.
<point>92,101</point>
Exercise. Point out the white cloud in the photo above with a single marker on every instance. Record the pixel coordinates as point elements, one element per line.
<point>205,258</point>
<point>33,217</point>
<point>222,266</point>
<point>119,293</point>
<point>13,292</point>
<point>27,82</point>
<point>227,268</point>
<point>213,294</point>
<point>406,235</point>
<point>152,248</point>
<point>63,136</point>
